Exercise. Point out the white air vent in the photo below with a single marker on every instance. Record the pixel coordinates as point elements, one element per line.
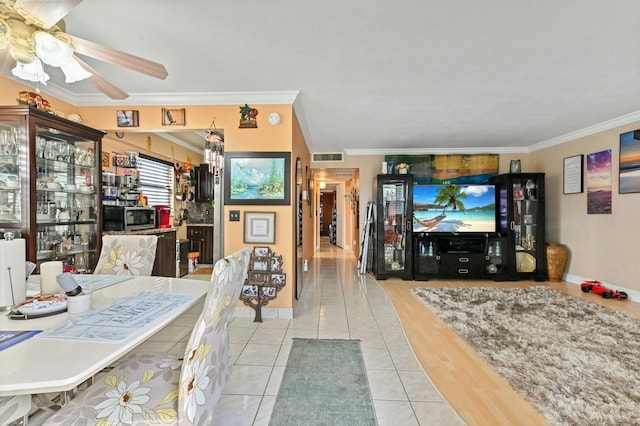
<point>327,156</point>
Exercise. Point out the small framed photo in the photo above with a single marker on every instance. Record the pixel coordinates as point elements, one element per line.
<point>106,159</point>
<point>276,263</point>
<point>260,227</point>
<point>269,292</point>
<point>174,117</point>
<point>249,290</point>
<point>127,118</point>
<point>528,219</point>
<point>260,265</point>
<point>261,252</point>
<point>278,279</point>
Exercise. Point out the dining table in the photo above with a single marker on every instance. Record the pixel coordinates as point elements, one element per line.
<point>70,348</point>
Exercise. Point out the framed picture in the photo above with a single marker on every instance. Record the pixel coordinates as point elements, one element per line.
<point>173,117</point>
<point>106,158</point>
<point>276,264</point>
<point>278,279</point>
<point>269,292</point>
<point>260,227</point>
<point>629,178</point>
<point>127,118</point>
<point>249,290</point>
<point>573,174</point>
<point>261,252</point>
<point>260,265</point>
<point>257,178</point>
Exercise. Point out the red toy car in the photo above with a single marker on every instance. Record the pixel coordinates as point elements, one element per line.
<point>598,288</point>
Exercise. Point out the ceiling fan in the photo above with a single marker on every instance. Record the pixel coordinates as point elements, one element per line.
<point>32,32</point>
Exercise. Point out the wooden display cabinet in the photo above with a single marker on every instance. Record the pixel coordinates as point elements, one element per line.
<point>50,186</point>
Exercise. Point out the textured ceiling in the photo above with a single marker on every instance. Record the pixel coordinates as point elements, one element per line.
<point>401,76</point>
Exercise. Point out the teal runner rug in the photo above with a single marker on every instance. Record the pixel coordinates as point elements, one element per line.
<point>324,383</point>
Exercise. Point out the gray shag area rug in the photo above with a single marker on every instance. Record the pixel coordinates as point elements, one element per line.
<point>577,362</point>
<point>324,383</point>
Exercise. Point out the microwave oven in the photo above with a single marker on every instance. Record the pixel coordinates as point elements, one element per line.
<point>125,218</point>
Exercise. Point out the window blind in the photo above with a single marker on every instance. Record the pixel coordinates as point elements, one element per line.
<point>156,180</point>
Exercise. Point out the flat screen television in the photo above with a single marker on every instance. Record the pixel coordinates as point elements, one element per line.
<point>454,209</point>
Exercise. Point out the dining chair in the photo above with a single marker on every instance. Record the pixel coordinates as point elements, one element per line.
<point>14,409</point>
<point>150,388</point>
<point>127,255</point>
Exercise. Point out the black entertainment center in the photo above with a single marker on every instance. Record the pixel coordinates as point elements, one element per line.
<point>491,230</point>
<point>458,256</point>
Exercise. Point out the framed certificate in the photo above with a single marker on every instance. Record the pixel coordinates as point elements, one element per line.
<point>573,174</point>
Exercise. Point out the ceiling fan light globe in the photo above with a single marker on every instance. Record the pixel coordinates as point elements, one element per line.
<point>51,50</point>
<point>73,72</point>
<point>31,72</point>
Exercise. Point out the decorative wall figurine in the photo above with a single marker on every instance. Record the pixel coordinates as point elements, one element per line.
<point>248,117</point>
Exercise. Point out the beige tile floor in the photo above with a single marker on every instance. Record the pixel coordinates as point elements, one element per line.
<point>336,302</point>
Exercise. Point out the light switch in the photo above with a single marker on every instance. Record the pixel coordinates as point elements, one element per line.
<point>234,215</point>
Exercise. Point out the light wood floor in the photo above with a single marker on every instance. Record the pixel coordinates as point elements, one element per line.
<point>475,391</point>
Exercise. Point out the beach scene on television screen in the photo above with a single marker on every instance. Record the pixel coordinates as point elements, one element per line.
<point>454,208</point>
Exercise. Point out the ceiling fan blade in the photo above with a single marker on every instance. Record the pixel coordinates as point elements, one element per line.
<point>47,12</point>
<point>102,83</point>
<point>116,57</point>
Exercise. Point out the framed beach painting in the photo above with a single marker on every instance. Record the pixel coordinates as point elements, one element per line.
<point>257,178</point>
<point>629,172</point>
<point>599,182</point>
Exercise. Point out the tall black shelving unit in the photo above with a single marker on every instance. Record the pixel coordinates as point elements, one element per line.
<point>393,225</point>
<point>522,221</point>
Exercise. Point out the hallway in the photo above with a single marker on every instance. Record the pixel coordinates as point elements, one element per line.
<point>337,302</point>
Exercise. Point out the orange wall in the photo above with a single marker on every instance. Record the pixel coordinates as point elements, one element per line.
<point>264,138</point>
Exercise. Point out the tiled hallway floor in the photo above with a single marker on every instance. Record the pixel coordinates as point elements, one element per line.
<point>336,302</point>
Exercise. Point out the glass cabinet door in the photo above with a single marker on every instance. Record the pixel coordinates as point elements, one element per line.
<point>525,222</point>
<point>66,199</point>
<point>10,177</point>
<point>395,222</point>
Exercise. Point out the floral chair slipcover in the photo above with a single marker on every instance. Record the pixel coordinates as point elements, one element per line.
<point>14,408</point>
<point>160,388</point>
<point>127,255</point>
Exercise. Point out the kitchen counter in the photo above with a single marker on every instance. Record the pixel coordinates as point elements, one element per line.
<point>142,231</point>
<point>198,224</point>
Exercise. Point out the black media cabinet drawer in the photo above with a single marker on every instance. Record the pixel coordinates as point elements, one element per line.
<point>463,265</point>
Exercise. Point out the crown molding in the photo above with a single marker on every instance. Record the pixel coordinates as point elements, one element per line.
<point>151,99</point>
<point>588,131</point>
<point>418,151</point>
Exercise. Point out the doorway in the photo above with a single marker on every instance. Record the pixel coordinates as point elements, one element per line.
<point>327,208</point>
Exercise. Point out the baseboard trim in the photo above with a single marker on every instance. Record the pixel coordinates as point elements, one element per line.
<point>577,279</point>
<point>267,313</point>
